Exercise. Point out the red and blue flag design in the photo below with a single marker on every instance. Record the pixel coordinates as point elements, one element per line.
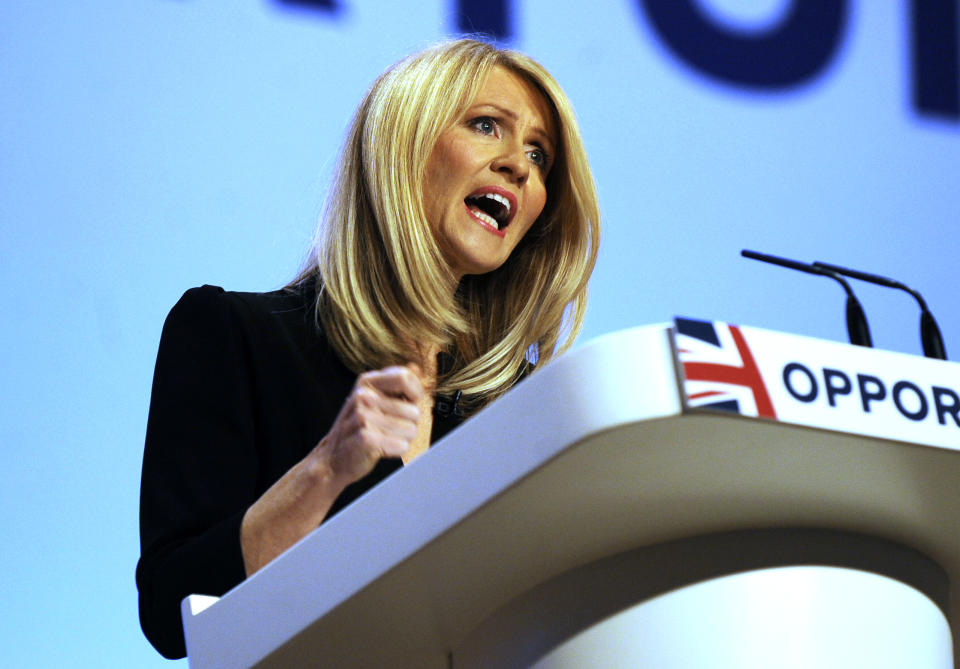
<point>719,369</point>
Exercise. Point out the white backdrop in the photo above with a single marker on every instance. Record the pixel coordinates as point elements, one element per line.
<point>150,146</point>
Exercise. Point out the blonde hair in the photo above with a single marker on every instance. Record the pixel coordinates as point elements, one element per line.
<point>384,287</point>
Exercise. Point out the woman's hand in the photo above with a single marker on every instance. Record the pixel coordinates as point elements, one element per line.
<point>379,419</point>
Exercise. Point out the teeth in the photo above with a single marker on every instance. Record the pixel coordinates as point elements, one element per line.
<point>502,200</point>
<point>502,209</point>
<point>486,218</point>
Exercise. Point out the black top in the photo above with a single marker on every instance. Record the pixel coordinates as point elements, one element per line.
<point>245,386</point>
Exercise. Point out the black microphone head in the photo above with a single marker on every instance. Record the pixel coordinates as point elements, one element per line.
<point>857,328</point>
<point>930,337</point>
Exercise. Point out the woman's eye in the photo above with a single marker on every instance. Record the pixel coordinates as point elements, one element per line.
<point>485,125</point>
<point>538,157</point>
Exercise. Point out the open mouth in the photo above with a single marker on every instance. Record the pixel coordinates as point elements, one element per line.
<point>492,208</point>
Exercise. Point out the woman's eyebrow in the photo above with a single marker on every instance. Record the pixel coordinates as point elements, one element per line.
<point>513,116</point>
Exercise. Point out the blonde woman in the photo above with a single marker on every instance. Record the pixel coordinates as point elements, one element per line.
<point>453,256</point>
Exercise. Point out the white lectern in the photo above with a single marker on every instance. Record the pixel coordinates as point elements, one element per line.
<point>594,516</point>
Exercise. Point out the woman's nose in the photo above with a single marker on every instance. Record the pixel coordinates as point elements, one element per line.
<point>513,164</point>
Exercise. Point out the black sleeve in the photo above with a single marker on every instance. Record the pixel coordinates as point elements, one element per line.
<point>245,386</point>
<point>200,464</point>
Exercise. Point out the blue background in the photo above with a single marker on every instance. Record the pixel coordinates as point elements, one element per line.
<point>150,146</point>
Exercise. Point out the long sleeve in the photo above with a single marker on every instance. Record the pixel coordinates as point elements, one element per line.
<point>245,386</point>
<point>200,464</point>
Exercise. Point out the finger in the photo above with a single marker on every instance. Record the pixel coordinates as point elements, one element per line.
<point>400,409</point>
<point>391,425</point>
<point>370,444</point>
<point>394,448</point>
<point>395,381</point>
<point>368,409</point>
<point>363,440</point>
<point>371,402</point>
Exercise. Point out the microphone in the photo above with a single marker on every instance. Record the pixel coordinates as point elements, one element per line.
<point>857,329</point>
<point>930,336</point>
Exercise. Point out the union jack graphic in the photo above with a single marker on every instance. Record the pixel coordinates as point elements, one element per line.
<point>719,369</point>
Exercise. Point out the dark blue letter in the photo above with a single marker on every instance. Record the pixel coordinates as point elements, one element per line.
<point>921,411</point>
<point>833,389</point>
<point>484,16</point>
<point>808,396</point>
<point>787,55</point>
<point>866,395</point>
<point>327,5</point>
<point>944,408</point>
<point>936,57</point>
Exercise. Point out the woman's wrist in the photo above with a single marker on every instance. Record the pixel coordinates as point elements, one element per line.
<point>290,509</point>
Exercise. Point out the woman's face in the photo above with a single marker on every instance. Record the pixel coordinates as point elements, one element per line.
<point>486,178</point>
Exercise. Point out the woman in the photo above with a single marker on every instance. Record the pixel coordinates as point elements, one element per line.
<point>454,254</point>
